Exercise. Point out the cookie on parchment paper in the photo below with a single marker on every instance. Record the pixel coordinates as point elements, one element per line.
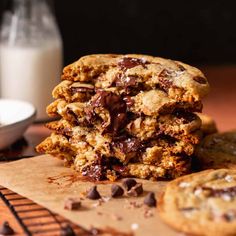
<point>203,203</point>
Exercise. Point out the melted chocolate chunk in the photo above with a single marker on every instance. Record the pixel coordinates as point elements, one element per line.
<point>129,101</point>
<point>129,145</point>
<point>164,79</point>
<point>119,168</point>
<point>200,80</point>
<point>73,116</point>
<point>129,62</point>
<point>231,191</point>
<point>135,190</point>
<point>93,193</point>
<point>129,183</point>
<point>116,191</point>
<point>116,107</point>
<point>72,204</point>
<point>126,81</point>
<point>97,170</point>
<point>67,231</point>
<point>5,229</point>
<point>150,200</point>
<point>185,116</point>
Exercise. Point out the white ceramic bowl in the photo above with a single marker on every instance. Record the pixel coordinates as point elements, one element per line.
<point>15,117</point>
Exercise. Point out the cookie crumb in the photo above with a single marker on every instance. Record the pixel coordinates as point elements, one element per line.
<point>72,204</point>
<point>116,217</point>
<point>148,213</point>
<point>105,199</point>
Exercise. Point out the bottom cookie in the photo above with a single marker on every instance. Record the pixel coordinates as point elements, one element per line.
<point>203,203</point>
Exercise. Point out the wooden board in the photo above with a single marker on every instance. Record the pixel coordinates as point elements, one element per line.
<point>47,182</point>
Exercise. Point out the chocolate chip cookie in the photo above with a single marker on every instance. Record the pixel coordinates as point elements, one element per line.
<point>217,151</point>
<point>201,203</point>
<point>126,115</point>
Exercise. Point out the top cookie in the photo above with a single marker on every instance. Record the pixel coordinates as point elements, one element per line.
<point>133,73</point>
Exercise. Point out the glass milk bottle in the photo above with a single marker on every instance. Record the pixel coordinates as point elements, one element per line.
<point>30,54</point>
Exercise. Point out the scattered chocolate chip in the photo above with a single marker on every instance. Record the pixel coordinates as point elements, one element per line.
<point>116,191</point>
<point>93,193</point>
<point>67,231</point>
<point>5,229</point>
<point>135,190</point>
<point>150,200</point>
<point>72,204</point>
<point>129,183</point>
<point>199,79</point>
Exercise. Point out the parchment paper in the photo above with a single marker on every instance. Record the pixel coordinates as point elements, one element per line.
<point>47,182</point>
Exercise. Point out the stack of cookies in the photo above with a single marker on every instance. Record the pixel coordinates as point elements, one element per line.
<point>126,115</point>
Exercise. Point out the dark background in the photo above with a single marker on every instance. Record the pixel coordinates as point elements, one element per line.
<point>197,32</point>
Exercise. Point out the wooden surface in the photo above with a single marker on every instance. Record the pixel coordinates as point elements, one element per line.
<point>220,104</point>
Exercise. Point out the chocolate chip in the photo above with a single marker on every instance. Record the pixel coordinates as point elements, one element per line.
<point>129,145</point>
<point>165,79</point>
<point>67,231</point>
<point>129,183</point>
<point>230,191</point>
<point>181,68</point>
<point>129,62</point>
<point>93,193</point>
<point>150,200</point>
<point>5,229</point>
<point>229,216</point>
<point>72,204</point>
<point>116,191</point>
<point>200,80</point>
<point>126,81</point>
<point>135,190</point>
